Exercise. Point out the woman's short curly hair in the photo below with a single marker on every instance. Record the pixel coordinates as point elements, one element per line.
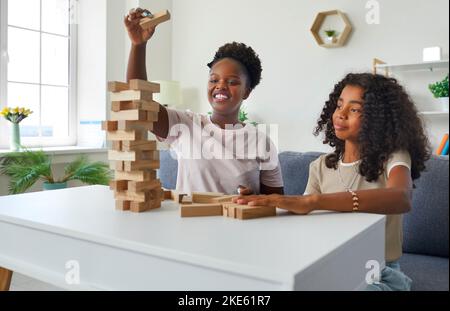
<point>390,123</point>
<point>246,56</point>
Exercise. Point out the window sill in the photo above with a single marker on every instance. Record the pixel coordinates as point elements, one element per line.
<point>67,154</point>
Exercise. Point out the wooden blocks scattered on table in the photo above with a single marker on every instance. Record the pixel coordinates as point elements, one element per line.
<point>133,157</point>
<point>158,18</point>
<point>205,197</point>
<point>244,212</point>
<point>201,210</point>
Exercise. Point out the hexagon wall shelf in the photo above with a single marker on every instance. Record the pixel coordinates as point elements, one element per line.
<point>341,39</point>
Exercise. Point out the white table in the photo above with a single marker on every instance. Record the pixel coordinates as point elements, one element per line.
<point>159,250</point>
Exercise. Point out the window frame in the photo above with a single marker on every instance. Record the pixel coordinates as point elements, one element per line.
<point>71,139</point>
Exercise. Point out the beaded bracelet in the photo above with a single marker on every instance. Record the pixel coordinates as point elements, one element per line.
<point>355,200</point>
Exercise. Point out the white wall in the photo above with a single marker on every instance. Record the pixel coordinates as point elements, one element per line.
<point>298,74</point>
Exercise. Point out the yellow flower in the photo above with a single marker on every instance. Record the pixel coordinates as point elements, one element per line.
<point>21,110</point>
<point>15,110</point>
<point>4,112</point>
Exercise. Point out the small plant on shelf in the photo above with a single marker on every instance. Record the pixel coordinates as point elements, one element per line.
<point>27,167</point>
<point>440,88</point>
<point>331,35</point>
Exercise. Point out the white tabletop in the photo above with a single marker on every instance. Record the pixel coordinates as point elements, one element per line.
<point>275,248</point>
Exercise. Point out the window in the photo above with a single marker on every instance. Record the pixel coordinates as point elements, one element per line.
<point>38,45</point>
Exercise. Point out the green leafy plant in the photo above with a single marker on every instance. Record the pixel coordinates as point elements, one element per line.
<point>331,33</point>
<point>440,88</point>
<point>27,167</point>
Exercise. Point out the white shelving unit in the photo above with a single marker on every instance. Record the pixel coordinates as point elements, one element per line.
<point>379,65</point>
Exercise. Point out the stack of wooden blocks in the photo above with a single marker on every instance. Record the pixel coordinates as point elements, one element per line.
<point>133,157</point>
<point>218,204</point>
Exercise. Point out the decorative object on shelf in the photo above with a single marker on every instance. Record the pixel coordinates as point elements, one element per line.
<point>432,54</point>
<point>338,41</point>
<point>27,167</point>
<point>331,36</point>
<point>443,145</point>
<point>440,91</point>
<point>15,116</point>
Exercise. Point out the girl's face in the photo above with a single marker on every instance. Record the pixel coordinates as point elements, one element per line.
<point>227,87</point>
<point>348,114</point>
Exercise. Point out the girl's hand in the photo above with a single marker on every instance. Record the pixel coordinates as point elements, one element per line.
<point>138,36</point>
<point>301,205</point>
<point>258,200</point>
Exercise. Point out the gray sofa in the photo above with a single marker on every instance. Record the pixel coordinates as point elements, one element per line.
<point>426,227</point>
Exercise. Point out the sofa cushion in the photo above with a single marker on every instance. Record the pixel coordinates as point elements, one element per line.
<point>428,273</point>
<point>426,225</point>
<point>295,170</point>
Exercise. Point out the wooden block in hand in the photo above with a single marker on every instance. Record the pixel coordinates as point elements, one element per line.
<point>115,86</point>
<point>201,210</point>
<point>137,104</point>
<point>147,175</point>
<point>123,205</point>
<point>109,126</point>
<point>142,85</point>
<point>131,96</point>
<point>224,199</point>
<point>130,115</point>
<point>205,197</point>
<point>159,18</point>
<point>118,185</point>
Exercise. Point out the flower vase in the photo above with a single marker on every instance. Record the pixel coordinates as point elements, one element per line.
<point>15,137</point>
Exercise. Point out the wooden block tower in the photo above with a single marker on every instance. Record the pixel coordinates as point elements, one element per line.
<point>133,157</point>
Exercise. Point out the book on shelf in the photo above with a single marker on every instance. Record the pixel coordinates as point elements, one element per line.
<point>441,147</point>
<point>445,150</point>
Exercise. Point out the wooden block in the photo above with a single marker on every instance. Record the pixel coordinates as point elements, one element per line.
<point>118,185</point>
<point>116,165</point>
<point>159,18</point>
<point>152,116</point>
<point>139,186</point>
<point>177,197</point>
<point>136,176</point>
<point>205,197</point>
<point>186,200</point>
<point>143,145</point>
<point>142,85</point>
<point>137,104</point>
<point>252,212</point>
<point>132,155</point>
<point>126,125</point>
<point>5,279</point>
<point>140,197</point>
<point>115,86</point>
<point>123,205</point>
<point>109,126</point>
<point>126,135</point>
<point>229,209</point>
<point>139,207</point>
<point>130,115</point>
<point>141,165</point>
<point>224,199</point>
<point>167,194</point>
<point>117,145</point>
<point>201,210</point>
<point>131,96</point>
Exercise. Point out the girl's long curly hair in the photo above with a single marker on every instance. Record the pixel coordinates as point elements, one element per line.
<point>389,123</point>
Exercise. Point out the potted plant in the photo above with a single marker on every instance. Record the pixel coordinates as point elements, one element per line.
<point>440,91</point>
<point>27,167</point>
<point>331,35</point>
<point>15,116</point>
